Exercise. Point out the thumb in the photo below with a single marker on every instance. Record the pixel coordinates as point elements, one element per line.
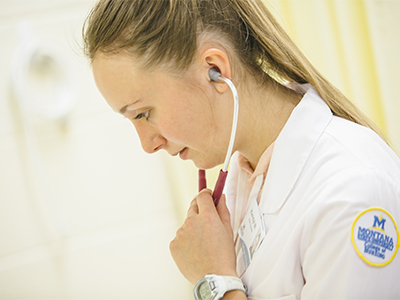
<point>224,213</point>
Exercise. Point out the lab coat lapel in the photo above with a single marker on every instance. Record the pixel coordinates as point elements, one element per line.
<point>292,148</point>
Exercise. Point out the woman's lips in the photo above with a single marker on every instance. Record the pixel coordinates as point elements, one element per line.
<point>179,152</point>
<point>183,154</point>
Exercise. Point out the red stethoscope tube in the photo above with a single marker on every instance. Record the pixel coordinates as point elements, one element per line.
<point>202,180</point>
<point>219,185</point>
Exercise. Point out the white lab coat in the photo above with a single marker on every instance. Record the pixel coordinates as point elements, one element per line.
<point>324,171</point>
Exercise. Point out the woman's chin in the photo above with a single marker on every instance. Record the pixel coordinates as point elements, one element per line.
<point>205,165</point>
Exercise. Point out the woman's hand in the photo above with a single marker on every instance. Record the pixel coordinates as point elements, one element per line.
<point>204,244</point>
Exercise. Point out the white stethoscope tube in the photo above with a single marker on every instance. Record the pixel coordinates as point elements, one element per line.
<point>234,124</point>
<point>219,185</point>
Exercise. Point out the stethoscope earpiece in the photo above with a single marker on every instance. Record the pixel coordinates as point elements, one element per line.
<point>214,74</point>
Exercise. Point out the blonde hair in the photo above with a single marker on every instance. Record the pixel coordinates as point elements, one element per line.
<point>167,32</point>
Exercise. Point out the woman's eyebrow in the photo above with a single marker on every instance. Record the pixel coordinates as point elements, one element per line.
<point>124,108</point>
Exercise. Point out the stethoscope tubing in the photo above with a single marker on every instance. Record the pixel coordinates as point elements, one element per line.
<point>220,184</point>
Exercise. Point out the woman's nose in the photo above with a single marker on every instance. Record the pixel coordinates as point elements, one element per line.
<point>151,140</point>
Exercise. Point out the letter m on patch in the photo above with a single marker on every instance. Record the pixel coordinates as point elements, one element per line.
<point>379,222</point>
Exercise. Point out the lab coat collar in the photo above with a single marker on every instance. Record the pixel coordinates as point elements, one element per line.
<point>292,148</point>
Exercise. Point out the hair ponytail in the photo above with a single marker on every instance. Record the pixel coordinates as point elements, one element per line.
<point>284,60</point>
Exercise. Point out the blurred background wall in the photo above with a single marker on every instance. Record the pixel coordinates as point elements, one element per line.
<point>356,45</point>
<point>84,212</point>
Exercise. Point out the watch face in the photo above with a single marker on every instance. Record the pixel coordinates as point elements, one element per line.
<point>204,291</point>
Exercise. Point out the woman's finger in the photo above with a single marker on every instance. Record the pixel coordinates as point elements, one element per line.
<point>205,201</point>
<point>193,208</point>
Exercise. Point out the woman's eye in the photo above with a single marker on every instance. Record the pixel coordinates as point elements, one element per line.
<point>142,115</point>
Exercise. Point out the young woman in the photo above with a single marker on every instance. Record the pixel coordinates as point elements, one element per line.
<point>313,195</point>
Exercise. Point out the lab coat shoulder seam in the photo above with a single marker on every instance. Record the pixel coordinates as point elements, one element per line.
<point>348,151</point>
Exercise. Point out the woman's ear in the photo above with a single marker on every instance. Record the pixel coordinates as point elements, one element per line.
<point>218,59</point>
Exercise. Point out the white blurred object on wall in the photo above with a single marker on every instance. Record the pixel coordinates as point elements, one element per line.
<point>42,78</point>
<point>43,86</point>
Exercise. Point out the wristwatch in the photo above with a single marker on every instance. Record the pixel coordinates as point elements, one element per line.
<point>213,287</point>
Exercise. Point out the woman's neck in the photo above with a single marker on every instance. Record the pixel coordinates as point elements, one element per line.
<point>263,113</point>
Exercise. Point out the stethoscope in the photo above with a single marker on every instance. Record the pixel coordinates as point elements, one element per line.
<point>223,173</point>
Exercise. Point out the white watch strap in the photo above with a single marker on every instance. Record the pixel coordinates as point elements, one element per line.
<point>233,283</point>
<point>226,284</point>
